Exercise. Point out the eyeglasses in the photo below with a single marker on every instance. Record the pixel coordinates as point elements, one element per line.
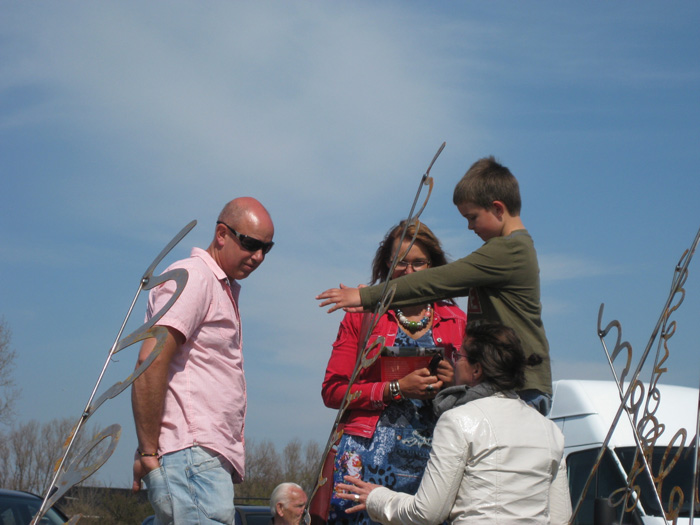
<point>249,243</point>
<point>417,265</point>
<point>456,356</point>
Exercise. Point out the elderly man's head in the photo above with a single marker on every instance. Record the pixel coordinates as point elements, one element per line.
<point>287,504</point>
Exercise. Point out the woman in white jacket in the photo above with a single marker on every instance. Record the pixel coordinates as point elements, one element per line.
<point>494,459</point>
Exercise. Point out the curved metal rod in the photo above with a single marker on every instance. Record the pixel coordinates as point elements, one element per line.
<point>363,361</point>
<point>336,434</point>
<point>147,282</point>
<point>75,473</point>
<point>679,277</point>
<point>694,486</point>
<point>160,333</point>
<point>412,218</point>
<point>619,382</point>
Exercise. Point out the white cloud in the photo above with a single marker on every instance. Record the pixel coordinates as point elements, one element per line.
<point>558,267</point>
<point>233,104</point>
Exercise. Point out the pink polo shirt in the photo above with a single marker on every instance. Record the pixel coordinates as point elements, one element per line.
<point>205,403</point>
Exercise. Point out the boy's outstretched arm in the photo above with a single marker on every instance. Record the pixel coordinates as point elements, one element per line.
<point>343,297</point>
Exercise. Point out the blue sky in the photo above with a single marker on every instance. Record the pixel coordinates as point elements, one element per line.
<point>122,121</point>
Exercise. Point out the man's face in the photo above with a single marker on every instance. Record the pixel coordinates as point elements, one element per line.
<point>293,511</point>
<point>237,262</point>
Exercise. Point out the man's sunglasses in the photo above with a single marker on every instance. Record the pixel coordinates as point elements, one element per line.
<point>249,243</point>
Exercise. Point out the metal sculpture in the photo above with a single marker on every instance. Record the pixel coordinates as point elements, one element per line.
<point>363,356</point>
<point>68,474</point>
<point>641,407</point>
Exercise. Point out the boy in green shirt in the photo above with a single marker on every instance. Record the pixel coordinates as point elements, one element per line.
<point>501,278</point>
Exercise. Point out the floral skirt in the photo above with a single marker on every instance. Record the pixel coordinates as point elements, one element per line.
<point>394,457</point>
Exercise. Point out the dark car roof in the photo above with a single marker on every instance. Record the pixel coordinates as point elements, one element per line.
<point>245,514</point>
<point>15,493</point>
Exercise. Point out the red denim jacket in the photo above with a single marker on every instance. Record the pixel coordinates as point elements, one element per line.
<point>449,324</point>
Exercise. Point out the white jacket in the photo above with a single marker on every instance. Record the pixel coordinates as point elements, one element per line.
<point>494,460</point>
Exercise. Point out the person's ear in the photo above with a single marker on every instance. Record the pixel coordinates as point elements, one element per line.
<point>498,209</point>
<point>477,372</point>
<point>220,234</point>
<point>279,508</point>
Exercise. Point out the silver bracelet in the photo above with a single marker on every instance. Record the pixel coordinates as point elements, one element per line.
<point>395,391</point>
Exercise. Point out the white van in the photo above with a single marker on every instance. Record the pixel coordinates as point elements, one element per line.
<point>584,411</point>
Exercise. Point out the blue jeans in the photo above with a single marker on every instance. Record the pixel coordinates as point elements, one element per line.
<point>538,400</point>
<point>192,486</point>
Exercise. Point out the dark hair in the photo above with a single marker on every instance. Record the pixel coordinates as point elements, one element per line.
<point>426,239</point>
<point>487,181</point>
<point>498,350</point>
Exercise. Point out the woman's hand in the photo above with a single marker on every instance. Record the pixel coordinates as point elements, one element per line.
<point>446,373</point>
<point>343,297</point>
<point>419,384</point>
<point>355,490</point>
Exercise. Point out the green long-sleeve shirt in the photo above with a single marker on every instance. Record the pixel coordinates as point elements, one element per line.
<point>502,280</point>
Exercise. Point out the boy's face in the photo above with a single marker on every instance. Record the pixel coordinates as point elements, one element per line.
<point>486,223</point>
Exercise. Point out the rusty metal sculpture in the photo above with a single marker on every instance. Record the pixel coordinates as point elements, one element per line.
<point>67,474</point>
<point>365,350</point>
<point>641,406</point>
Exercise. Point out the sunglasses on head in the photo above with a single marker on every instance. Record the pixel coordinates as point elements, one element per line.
<point>249,243</point>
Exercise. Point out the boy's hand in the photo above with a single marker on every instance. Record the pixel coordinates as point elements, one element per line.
<point>343,297</point>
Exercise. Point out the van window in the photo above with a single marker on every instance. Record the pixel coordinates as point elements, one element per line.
<point>607,480</point>
<point>681,475</point>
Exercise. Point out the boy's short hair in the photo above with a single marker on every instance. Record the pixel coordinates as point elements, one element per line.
<point>487,181</point>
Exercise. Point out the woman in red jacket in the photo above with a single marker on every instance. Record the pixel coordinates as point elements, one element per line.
<point>387,430</point>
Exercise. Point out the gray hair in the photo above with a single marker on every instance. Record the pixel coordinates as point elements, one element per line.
<point>280,494</point>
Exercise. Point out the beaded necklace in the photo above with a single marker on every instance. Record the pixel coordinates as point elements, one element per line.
<point>413,326</point>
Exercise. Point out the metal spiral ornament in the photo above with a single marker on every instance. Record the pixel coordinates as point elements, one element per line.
<point>68,474</point>
<point>368,354</point>
<point>640,404</point>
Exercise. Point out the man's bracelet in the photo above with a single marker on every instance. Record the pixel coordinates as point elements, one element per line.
<point>144,455</point>
<point>395,391</point>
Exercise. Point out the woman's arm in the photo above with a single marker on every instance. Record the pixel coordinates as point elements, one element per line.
<point>559,498</point>
<point>439,486</point>
<point>340,368</point>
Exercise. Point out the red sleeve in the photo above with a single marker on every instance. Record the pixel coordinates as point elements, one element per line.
<point>341,365</point>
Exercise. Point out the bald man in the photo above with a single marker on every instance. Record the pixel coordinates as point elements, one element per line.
<point>190,404</point>
<point>287,504</point>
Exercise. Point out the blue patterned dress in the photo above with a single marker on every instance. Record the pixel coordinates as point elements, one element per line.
<point>395,456</point>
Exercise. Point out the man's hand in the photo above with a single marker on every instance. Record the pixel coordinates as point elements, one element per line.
<point>147,397</point>
<point>142,466</point>
<point>343,297</point>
